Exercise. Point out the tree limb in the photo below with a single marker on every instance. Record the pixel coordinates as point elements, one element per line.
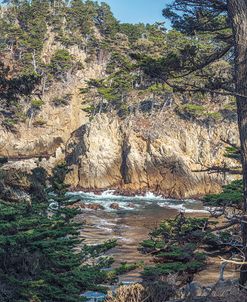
<point>218,169</point>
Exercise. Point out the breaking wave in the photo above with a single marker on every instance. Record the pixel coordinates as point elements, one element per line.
<point>131,203</point>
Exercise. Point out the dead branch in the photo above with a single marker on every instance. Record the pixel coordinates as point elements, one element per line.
<point>227,142</point>
<point>226,226</point>
<point>233,261</point>
<point>195,88</point>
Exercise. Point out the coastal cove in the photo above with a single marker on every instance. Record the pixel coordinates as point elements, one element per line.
<point>129,220</point>
<point>123,151</point>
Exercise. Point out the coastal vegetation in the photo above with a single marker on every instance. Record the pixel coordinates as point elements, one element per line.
<point>140,60</point>
<point>42,255</point>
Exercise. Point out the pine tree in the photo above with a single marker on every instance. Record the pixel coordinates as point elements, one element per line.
<point>180,246</point>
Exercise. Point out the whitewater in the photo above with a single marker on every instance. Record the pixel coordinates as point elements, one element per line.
<point>108,197</point>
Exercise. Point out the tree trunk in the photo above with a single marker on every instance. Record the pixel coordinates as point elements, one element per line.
<point>237,10</point>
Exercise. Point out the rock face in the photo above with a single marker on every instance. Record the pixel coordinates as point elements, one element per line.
<point>46,130</point>
<point>151,149</point>
<point>161,157</point>
<point>43,145</point>
<point>94,153</point>
<point>144,152</point>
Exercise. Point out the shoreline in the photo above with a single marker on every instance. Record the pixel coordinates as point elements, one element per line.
<point>132,193</point>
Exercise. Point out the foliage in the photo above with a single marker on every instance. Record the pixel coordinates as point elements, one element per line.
<point>180,247</point>
<point>106,22</point>
<point>12,90</point>
<point>61,62</point>
<point>174,267</point>
<point>192,110</point>
<point>200,42</point>
<point>25,26</point>
<point>144,60</point>
<point>196,111</point>
<point>175,245</point>
<point>233,152</point>
<point>81,15</point>
<point>62,101</point>
<point>42,257</point>
<point>10,124</point>
<point>40,122</point>
<point>127,267</point>
<point>133,31</point>
<point>216,116</point>
<point>232,195</point>
<point>37,103</point>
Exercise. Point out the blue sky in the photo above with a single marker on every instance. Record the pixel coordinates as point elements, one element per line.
<point>135,11</point>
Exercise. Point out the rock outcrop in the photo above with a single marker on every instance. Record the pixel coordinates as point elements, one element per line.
<point>161,153</point>
<point>164,156</point>
<point>155,151</point>
<point>142,137</point>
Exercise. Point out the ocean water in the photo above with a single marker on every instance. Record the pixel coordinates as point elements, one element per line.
<point>130,224</point>
<point>140,202</point>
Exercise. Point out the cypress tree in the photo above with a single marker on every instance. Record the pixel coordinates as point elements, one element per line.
<point>41,255</point>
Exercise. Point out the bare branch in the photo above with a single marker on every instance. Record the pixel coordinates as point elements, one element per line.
<point>226,226</point>
<point>209,60</point>
<point>229,143</point>
<point>232,261</point>
<point>194,88</point>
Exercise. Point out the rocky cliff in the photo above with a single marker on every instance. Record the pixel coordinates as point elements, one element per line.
<point>162,153</point>
<point>84,98</point>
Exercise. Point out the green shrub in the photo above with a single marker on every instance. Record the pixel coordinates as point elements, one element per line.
<point>198,111</point>
<point>231,106</point>
<point>233,152</point>
<point>164,269</point>
<point>89,109</point>
<point>10,124</point>
<point>192,110</point>
<point>42,257</point>
<point>232,195</point>
<point>179,246</point>
<point>174,245</point>
<point>37,103</point>
<point>61,61</point>
<point>217,116</point>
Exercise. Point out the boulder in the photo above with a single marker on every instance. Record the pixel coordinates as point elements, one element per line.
<point>115,206</point>
<point>77,205</point>
<point>131,205</point>
<point>95,206</point>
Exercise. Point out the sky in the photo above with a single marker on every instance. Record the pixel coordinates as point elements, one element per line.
<point>135,11</point>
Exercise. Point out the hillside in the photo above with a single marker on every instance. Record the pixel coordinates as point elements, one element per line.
<point>78,85</point>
